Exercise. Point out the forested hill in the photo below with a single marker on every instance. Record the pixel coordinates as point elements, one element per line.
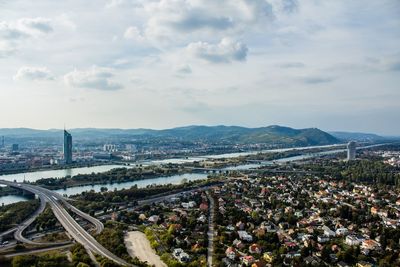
<point>213,134</point>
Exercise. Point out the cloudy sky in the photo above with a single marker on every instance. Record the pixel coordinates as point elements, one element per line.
<point>164,63</point>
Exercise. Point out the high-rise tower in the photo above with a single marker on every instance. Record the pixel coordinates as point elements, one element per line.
<point>351,150</point>
<point>67,147</point>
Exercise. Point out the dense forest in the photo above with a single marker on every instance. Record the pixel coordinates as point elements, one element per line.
<point>365,170</point>
<point>13,214</point>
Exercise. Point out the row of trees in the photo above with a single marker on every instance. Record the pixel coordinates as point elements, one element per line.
<point>45,260</point>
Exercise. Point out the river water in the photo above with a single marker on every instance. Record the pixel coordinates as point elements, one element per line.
<point>175,179</point>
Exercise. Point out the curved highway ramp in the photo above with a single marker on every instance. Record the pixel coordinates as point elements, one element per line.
<point>70,225</point>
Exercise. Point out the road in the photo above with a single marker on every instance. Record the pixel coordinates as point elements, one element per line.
<point>70,225</point>
<point>211,230</point>
<point>20,228</point>
<point>40,250</point>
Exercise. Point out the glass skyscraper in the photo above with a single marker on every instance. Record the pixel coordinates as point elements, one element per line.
<point>67,147</point>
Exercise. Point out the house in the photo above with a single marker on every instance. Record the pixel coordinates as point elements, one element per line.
<point>153,218</point>
<point>227,262</point>
<point>240,225</point>
<point>230,228</point>
<point>370,244</point>
<point>243,235</point>
<point>203,206</point>
<point>202,218</point>
<point>328,232</point>
<point>341,231</point>
<point>238,244</point>
<point>322,238</point>
<point>290,245</point>
<point>188,205</point>
<point>283,225</point>
<point>259,263</point>
<point>180,255</point>
<point>268,257</point>
<point>312,260</point>
<point>363,264</point>
<point>255,249</point>
<point>247,260</point>
<point>230,253</point>
<point>271,227</point>
<point>374,210</point>
<point>352,240</point>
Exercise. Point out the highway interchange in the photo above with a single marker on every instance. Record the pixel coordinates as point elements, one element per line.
<point>76,231</point>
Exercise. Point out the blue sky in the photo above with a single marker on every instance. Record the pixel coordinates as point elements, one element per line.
<point>164,63</point>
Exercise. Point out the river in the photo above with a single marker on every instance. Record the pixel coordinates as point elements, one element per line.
<point>175,179</point>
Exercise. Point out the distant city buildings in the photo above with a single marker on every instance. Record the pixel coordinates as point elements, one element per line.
<point>67,147</point>
<point>109,148</point>
<point>351,150</point>
<point>14,147</point>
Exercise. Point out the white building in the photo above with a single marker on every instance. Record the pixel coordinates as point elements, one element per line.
<point>181,255</point>
<point>243,235</point>
<point>341,231</point>
<point>328,232</point>
<point>353,240</point>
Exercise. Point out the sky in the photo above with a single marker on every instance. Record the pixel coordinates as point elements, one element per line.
<point>158,64</point>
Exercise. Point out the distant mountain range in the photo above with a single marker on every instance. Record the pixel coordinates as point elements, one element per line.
<point>274,134</point>
<point>361,137</point>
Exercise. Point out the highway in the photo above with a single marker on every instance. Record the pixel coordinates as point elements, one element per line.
<point>98,224</point>
<point>21,228</point>
<point>70,225</point>
<point>18,230</point>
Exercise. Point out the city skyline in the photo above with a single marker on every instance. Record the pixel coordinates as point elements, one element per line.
<point>161,64</point>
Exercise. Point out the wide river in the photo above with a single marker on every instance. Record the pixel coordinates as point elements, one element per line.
<point>174,179</point>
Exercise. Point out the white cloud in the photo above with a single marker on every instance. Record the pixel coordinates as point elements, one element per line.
<point>33,74</point>
<point>224,52</point>
<point>166,20</point>
<point>34,26</point>
<point>7,48</point>
<point>133,33</point>
<point>121,3</point>
<point>289,65</point>
<point>317,79</point>
<point>94,78</point>
<point>9,31</point>
<point>183,69</point>
<point>13,33</point>
<point>307,55</point>
<point>65,21</point>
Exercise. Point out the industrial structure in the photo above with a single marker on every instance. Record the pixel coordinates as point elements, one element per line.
<point>351,150</point>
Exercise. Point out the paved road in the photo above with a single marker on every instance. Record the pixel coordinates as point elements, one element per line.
<point>98,224</point>
<point>40,250</point>
<point>66,220</point>
<point>211,230</point>
<point>20,228</point>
